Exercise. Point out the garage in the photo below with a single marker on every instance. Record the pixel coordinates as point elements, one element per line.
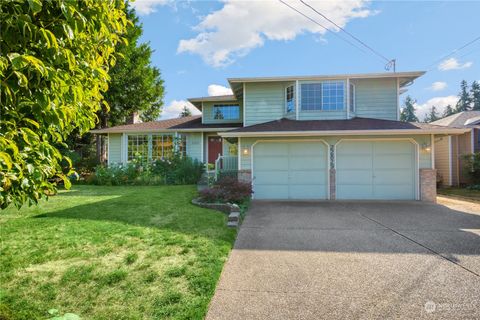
<point>377,170</point>
<point>290,170</point>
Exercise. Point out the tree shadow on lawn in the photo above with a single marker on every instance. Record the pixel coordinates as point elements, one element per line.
<point>167,208</point>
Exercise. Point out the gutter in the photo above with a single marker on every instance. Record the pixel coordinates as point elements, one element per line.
<point>343,132</point>
<point>161,130</point>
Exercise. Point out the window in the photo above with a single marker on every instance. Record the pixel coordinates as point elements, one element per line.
<point>155,146</point>
<point>137,147</point>
<point>327,95</point>
<point>352,97</point>
<point>290,99</point>
<point>162,146</point>
<point>226,112</point>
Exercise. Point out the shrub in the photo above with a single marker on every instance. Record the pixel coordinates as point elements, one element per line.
<point>227,189</point>
<point>472,165</point>
<point>175,170</point>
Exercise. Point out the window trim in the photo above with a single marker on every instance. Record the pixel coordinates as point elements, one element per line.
<point>225,105</point>
<point>149,140</point>
<point>352,98</point>
<point>293,98</point>
<point>343,109</point>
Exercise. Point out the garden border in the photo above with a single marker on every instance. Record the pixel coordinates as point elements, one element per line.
<point>231,209</point>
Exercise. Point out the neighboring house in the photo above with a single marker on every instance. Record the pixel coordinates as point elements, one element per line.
<point>450,150</point>
<point>313,137</point>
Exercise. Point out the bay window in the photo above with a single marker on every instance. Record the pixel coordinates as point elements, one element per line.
<point>290,99</point>
<point>323,96</point>
<point>153,146</point>
<point>352,97</point>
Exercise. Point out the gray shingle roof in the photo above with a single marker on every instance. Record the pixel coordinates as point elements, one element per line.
<point>458,120</point>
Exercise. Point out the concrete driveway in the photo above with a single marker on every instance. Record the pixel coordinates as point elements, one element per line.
<point>351,260</point>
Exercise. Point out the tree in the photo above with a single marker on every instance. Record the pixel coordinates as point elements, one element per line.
<point>54,60</point>
<point>464,101</point>
<point>408,111</point>
<point>135,86</point>
<point>475,95</point>
<point>185,112</point>
<point>448,111</point>
<point>432,115</point>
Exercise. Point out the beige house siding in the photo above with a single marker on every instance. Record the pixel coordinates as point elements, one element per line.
<point>442,160</point>
<point>455,167</point>
<point>464,148</point>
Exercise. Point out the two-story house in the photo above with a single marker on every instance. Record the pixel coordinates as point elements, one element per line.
<point>305,137</point>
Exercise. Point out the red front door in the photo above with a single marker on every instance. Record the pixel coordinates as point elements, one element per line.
<point>214,148</point>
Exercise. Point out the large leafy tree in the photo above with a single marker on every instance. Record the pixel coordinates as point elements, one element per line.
<point>464,100</point>
<point>408,112</point>
<point>475,95</point>
<point>136,86</point>
<point>54,61</point>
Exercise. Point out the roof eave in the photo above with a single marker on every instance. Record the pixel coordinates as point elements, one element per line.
<point>344,132</point>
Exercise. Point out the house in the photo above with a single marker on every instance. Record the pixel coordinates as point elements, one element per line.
<point>450,150</point>
<point>302,137</point>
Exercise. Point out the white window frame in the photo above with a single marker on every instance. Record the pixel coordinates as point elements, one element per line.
<point>345,107</point>
<point>149,144</point>
<point>293,99</point>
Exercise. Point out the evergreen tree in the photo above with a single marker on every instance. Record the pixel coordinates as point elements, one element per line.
<point>185,112</point>
<point>475,95</point>
<point>432,115</point>
<point>464,101</point>
<point>408,111</point>
<point>448,111</point>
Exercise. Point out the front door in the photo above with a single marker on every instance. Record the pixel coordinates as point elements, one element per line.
<point>214,148</point>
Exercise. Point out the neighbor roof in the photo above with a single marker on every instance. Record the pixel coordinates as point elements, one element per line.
<point>461,119</point>
<point>338,127</point>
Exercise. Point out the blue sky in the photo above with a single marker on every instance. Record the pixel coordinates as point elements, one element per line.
<point>198,44</point>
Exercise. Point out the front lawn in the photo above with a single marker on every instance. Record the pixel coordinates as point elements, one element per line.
<point>112,253</point>
<point>461,193</point>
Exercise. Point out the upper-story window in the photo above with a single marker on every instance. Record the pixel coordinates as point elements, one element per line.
<point>327,95</point>
<point>226,112</point>
<point>290,99</point>
<point>352,97</point>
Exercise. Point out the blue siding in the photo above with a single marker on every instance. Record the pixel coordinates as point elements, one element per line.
<point>376,98</point>
<point>264,102</point>
<point>114,148</point>
<point>194,145</point>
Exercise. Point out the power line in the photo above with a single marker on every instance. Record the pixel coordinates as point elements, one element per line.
<point>453,52</point>
<point>318,23</point>
<point>389,61</point>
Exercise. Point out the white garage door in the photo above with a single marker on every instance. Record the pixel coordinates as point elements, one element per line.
<point>375,170</point>
<point>290,170</point>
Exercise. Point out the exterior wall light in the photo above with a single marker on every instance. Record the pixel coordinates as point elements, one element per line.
<point>245,151</point>
<point>426,147</point>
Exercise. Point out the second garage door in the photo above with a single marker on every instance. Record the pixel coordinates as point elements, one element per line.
<point>290,170</point>
<point>375,170</point>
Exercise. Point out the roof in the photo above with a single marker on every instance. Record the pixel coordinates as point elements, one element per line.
<point>338,127</point>
<point>192,123</point>
<point>197,102</point>
<point>461,119</point>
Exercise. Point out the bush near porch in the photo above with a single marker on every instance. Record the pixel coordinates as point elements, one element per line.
<point>227,189</point>
<point>112,253</point>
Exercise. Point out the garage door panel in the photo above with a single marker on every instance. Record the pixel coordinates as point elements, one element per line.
<point>354,161</point>
<point>384,170</point>
<point>394,176</point>
<point>271,163</point>
<point>393,192</point>
<point>271,177</point>
<point>317,191</point>
<point>310,162</point>
<point>308,177</point>
<point>271,192</point>
<point>357,177</point>
<point>290,170</point>
<point>393,161</point>
<point>346,191</point>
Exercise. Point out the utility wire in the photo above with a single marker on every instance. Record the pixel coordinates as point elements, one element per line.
<point>453,52</point>
<point>318,23</point>
<point>351,35</point>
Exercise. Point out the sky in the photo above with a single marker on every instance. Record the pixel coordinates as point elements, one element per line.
<point>199,44</point>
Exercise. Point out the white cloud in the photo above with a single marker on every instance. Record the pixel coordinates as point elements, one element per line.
<point>218,90</point>
<point>146,7</point>
<point>453,64</point>
<point>438,86</point>
<point>439,102</point>
<point>240,26</point>
<point>175,107</point>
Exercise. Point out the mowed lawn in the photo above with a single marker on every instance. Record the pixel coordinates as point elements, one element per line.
<point>112,253</point>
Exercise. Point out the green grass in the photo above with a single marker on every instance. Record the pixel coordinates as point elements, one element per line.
<point>112,253</point>
<point>460,193</point>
